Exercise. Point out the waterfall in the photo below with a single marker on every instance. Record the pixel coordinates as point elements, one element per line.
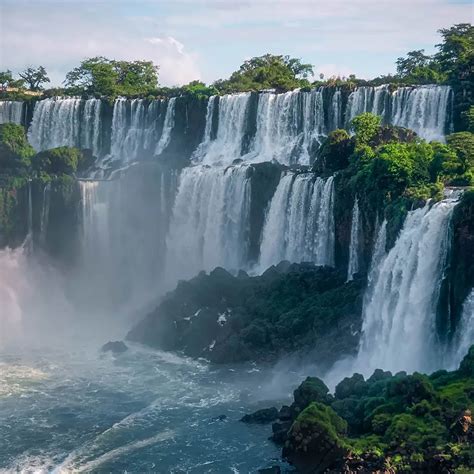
<point>207,136</point>
<point>398,331</point>
<point>11,111</point>
<point>232,120</point>
<point>300,222</point>
<point>422,109</point>
<point>367,99</point>
<point>45,213</point>
<point>210,221</point>
<point>355,244</point>
<point>66,122</point>
<point>378,251</point>
<point>122,245</point>
<point>464,337</point>
<point>291,125</point>
<point>13,271</point>
<point>140,128</point>
<point>167,127</point>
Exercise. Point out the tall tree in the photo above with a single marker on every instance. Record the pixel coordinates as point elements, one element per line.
<point>456,52</point>
<point>35,77</point>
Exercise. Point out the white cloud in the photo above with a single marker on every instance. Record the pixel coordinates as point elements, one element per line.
<point>338,36</point>
<point>59,41</point>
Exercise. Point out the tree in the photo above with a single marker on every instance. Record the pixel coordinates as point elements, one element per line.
<point>35,77</point>
<point>104,77</point>
<point>418,67</point>
<point>463,144</point>
<point>365,127</point>
<point>268,72</point>
<point>456,52</point>
<point>5,78</point>
<point>414,59</point>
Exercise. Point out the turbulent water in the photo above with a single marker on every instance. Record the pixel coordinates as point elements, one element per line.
<point>72,410</point>
<point>400,303</point>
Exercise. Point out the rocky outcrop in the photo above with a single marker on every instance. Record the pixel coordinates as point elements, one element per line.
<point>290,308</point>
<point>386,423</point>
<point>262,417</point>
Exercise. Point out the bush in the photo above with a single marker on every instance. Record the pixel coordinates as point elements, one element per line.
<point>15,151</point>
<point>62,160</point>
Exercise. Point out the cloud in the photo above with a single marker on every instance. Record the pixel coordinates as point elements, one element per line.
<point>212,37</point>
<point>60,39</point>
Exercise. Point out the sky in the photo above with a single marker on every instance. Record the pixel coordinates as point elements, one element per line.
<point>208,40</point>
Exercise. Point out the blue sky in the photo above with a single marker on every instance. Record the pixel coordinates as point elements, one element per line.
<point>207,40</point>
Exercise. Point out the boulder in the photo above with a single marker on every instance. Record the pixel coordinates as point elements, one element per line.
<point>116,347</point>
<point>264,416</point>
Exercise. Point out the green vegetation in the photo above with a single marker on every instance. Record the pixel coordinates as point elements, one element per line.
<point>62,160</point>
<point>15,151</point>
<point>18,160</point>
<point>100,76</point>
<point>267,72</point>
<point>285,309</point>
<point>390,169</point>
<point>404,422</point>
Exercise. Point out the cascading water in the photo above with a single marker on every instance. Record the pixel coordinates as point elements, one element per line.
<point>45,213</point>
<point>124,225</point>
<point>210,221</point>
<point>232,119</point>
<point>423,109</point>
<point>11,111</point>
<point>66,122</point>
<point>375,100</point>
<point>300,222</point>
<point>464,336</point>
<point>400,305</point>
<point>167,127</point>
<point>355,244</point>
<point>289,126</point>
<point>140,128</point>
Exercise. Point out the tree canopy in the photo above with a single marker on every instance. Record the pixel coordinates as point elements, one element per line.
<point>268,72</point>
<point>100,76</point>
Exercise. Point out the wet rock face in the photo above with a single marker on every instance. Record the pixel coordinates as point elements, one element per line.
<point>227,319</point>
